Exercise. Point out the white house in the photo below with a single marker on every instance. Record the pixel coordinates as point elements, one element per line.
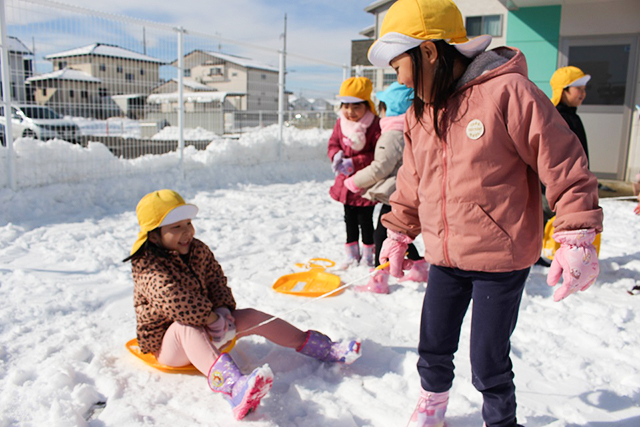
<point>20,69</point>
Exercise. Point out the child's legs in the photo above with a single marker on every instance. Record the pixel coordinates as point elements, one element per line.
<point>496,301</point>
<point>278,331</point>
<point>381,232</point>
<point>351,222</point>
<point>183,344</point>
<point>365,219</point>
<point>445,303</point>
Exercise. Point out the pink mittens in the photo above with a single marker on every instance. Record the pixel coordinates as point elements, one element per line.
<point>393,250</point>
<point>576,261</point>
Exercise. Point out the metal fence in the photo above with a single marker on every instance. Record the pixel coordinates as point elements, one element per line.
<point>138,86</point>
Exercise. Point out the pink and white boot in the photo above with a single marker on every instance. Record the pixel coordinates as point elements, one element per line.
<point>243,392</point>
<point>320,346</point>
<point>369,255</point>
<point>430,410</point>
<point>378,283</point>
<point>352,250</point>
<point>419,272</point>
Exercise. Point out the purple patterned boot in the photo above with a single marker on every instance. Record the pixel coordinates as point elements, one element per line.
<point>369,255</point>
<point>320,346</point>
<point>352,250</point>
<point>430,410</point>
<point>242,391</point>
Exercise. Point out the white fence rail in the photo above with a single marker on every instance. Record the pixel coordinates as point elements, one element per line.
<point>137,87</point>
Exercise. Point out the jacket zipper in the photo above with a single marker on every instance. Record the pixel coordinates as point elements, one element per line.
<point>444,204</point>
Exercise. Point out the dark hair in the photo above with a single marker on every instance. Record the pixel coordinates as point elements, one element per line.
<point>366,104</point>
<point>382,107</point>
<point>147,246</point>
<point>444,82</point>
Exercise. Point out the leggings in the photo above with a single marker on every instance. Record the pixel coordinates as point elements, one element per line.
<point>496,301</point>
<point>359,218</point>
<point>183,345</point>
<point>381,233</point>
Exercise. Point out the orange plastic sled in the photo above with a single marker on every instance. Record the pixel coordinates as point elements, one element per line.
<point>150,359</point>
<point>312,283</point>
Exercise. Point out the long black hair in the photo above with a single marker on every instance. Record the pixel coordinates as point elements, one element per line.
<point>147,246</point>
<point>444,82</point>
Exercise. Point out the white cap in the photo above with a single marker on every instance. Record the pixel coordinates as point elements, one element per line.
<point>582,81</point>
<point>179,213</point>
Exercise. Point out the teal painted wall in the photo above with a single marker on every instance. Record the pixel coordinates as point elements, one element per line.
<point>536,32</point>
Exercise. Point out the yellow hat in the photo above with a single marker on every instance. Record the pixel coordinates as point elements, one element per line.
<point>565,77</point>
<point>158,209</point>
<point>357,89</point>
<point>410,22</point>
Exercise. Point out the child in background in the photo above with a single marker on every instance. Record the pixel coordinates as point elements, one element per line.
<point>479,138</point>
<point>351,148</point>
<point>378,180</point>
<point>186,313</point>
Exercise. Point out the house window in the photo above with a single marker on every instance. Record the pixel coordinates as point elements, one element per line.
<point>84,94</point>
<point>44,91</point>
<point>264,76</point>
<point>62,64</point>
<point>119,68</point>
<point>102,91</point>
<point>128,76</point>
<point>103,67</point>
<point>488,24</point>
<point>71,94</point>
<point>234,74</point>
<point>187,73</point>
<point>142,71</point>
<point>217,71</point>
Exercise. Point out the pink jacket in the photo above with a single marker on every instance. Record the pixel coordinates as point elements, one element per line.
<point>475,196</point>
<point>361,159</point>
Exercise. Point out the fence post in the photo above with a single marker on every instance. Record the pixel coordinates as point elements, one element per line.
<point>6,98</point>
<point>181,97</point>
<point>281,104</point>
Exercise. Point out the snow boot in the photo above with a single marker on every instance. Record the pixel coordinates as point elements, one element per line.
<point>430,410</point>
<point>352,251</point>
<point>369,255</point>
<point>320,346</point>
<point>243,392</point>
<point>419,272</point>
<point>378,283</point>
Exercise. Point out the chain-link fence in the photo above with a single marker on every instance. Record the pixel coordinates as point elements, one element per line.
<point>139,87</point>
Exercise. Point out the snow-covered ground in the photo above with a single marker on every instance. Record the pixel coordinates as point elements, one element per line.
<point>67,311</point>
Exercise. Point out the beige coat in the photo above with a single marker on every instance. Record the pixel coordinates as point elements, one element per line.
<point>379,178</point>
<point>475,196</point>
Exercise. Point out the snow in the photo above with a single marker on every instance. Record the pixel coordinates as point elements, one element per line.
<point>67,305</point>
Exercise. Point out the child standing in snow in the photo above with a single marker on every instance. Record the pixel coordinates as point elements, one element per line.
<point>351,148</point>
<point>186,313</point>
<point>378,181</point>
<point>480,136</point>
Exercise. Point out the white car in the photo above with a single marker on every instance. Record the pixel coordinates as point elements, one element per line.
<point>40,122</point>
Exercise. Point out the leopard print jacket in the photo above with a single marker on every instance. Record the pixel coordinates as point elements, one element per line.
<point>167,290</point>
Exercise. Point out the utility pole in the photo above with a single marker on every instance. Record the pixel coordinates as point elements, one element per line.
<point>281,83</point>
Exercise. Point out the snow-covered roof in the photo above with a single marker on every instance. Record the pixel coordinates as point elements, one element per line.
<point>368,31</point>
<point>240,60</point>
<point>192,84</point>
<point>15,45</point>
<point>376,4</point>
<point>66,74</point>
<point>201,97</point>
<point>101,49</point>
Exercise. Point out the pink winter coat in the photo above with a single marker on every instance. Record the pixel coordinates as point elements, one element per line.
<point>361,159</point>
<point>476,196</point>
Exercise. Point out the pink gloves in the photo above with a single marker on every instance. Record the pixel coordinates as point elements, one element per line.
<point>576,261</point>
<point>351,186</point>
<point>393,250</point>
<point>222,330</point>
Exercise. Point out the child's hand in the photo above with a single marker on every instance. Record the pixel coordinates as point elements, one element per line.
<point>637,209</point>
<point>223,329</point>
<point>393,250</point>
<point>346,167</point>
<point>337,160</point>
<point>351,186</point>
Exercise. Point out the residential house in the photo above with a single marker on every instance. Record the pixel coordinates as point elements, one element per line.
<point>235,74</point>
<point>20,69</point>
<point>602,37</point>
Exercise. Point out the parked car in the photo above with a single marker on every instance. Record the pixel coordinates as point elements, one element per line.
<point>40,122</point>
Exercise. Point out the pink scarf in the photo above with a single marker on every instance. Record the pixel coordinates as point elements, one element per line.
<point>392,123</point>
<point>355,133</point>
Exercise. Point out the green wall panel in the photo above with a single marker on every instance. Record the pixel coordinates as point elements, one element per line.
<point>536,32</point>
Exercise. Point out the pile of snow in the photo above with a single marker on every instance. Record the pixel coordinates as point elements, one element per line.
<point>67,306</point>
<point>113,126</point>
<point>190,134</point>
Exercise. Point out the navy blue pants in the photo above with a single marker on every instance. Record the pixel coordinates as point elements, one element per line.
<point>496,301</point>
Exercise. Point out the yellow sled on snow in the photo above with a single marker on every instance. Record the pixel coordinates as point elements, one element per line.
<point>151,360</point>
<point>550,246</point>
<point>312,283</point>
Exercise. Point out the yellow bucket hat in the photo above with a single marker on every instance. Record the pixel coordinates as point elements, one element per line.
<point>357,89</point>
<point>160,208</point>
<point>410,22</point>
<point>566,77</point>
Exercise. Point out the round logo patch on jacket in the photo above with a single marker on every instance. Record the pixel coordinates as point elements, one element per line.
<point>475,129</point>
